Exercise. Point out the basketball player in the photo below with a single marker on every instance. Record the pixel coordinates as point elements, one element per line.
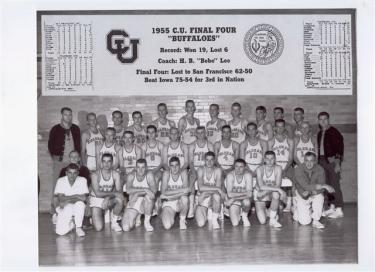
<point>197,150</point>
<point>268,189</point>
<point>109,146</point>
<point>174,193</point>
<point>152,153</point>
<point>141,188</point>
<point>106,194</point>
<point>209,191</point>
<point>117,118</point>
<point>175,148</point>
<point>239,184</point>
<point>299,116</point>
<point>310,184</point>
<point>163,124</point>
<point>304,143</point>
<point>252,149</point>
<point>71,192</point>
<point>213,127</point>
<point>188,123</point>
<point>278,113</point>
<point>90,138</point>
<point>265,130</point>
<point>138,128</point>
<point>237,124</point>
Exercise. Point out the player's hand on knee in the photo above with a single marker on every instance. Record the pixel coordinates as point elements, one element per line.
<point>305,194</point>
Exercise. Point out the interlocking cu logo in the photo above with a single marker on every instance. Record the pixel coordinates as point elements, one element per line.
<point>116,44</point>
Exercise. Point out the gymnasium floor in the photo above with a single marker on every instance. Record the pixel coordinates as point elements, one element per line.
<point>293,244</point>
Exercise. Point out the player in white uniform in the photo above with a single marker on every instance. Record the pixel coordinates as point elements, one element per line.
<point>209,192</point>
<point>163,124</point>
<point>141,188</point>
<point>138,128</point>
<point>227,151</point>
<point>109,146</point>
<point>278,113</point>
<point>188,123</point>
<point>284,151</point>
<point>305,143</point>
<point>175,148</point>
<point>237,124</point>
<point>197,150</point>
<point>117,118</point>
<point>213,127</point>
<point>90,138</point>
<point>71,192</point>
<point>174,193</point>
<point>298,116</point>
<point>252,149</point>
<point>265,130</point>
<point>268,189</point>
<point>106,194</point>
<point>239,193</point>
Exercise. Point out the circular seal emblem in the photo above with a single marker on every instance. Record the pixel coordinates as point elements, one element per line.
<point>263,44</point>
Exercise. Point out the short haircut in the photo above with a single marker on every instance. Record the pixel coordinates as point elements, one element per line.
<point>270,152</point>
<point>74,151</point>
<point>215,105</point>
<point>128,132</point>
<point>189,101</point>
<point>111,129</point>
<point>151,126</point>
<point>262,108</point>
<point>310,154</point>
<point>323,113</point>
<point>141,161</point>
<point>90,114</point>
<point>117,111</point>
<point>279,108</point>
<point>279,121</point>
<point>209,154</point>
<point>226,126</point>
<point>201,127</point>
<point>107,155</point>
<point>240,161</point>
<point>73,166</point>
<point>136,112</point>
<point>252,124</point>
<point>65,109</point>
<point>236,104</point>
<point>162,105</point>
<point>300,109</point>
<point>175,159</point>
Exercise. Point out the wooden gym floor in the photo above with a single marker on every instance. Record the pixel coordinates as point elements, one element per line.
<point>293,244</point>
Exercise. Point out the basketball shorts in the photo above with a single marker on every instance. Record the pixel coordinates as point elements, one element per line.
<point>137,204</point>
<point>174,204</point>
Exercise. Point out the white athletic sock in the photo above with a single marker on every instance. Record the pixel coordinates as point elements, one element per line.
<point>147,218</point>
<point>273,214</point>
<point>114,218</point>
<point>215,216</point>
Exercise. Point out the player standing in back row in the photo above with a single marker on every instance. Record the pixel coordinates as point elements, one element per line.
<point>237,124</point>
<point>118,125</point>
<point>138,128</point>
<point>213,127</point>
<point>163,124</point>
<point>265,130</point>
<point>188,123</point>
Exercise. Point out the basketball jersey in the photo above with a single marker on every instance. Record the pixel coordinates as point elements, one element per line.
<point>281,150</point>
<point>213,132</point>
<point>238,133</point>
<point>188,135</point>
<point>253,155</point>
<point>119,135</point>
<point>163,132</point>
<point>140,183</point>
<point>153,156</point>
<point>130,159</point>
<point>95,138</point>
<point>140,136</point>
<point>302,148</point>
<point>238,186</point>
<point>225,157</point>
<point>297,131</point>
<point>199,152</point>
<point>271,180</point>
<point>177,152</point>
<point>108,150</point>
<point>105,185</point>
<point>208,181</point>
<point>173,185</point>
<point>263,135</point>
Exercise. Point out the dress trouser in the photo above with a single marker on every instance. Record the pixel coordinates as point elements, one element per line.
<point>310,208</point>
<point>64,217</point>
<point>332,179</point>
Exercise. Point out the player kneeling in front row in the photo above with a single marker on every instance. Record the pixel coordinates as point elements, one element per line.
<point>239,184</point>
<point>268,189</point>
<point>310,184</point>
<point>209,191</point>
<point>141,188</point>
<point>174,194</point>
<point>71,191</point>
<point>106,194</point>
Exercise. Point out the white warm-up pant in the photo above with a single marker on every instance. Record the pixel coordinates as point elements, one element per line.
<point>64,217</point>
<point>309,209</point>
